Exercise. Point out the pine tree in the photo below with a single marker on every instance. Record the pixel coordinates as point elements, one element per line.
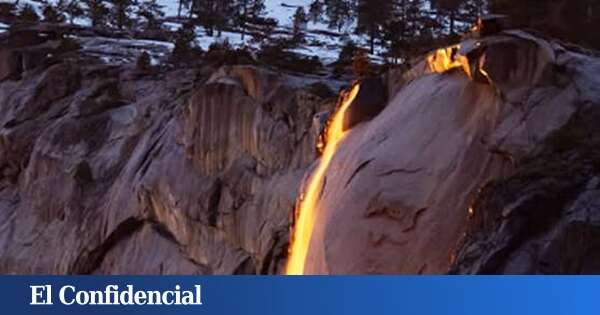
<point>53,13</point>
<point>28,14</point>
<point>74,10</point>
<point>299,25</point>
<point>213,15</point>
<point>225,15</point>
<point>267,28</point>
<point>570,20</point>
<point>449,9</point>
<point>315,11</point>
<point>144,63</point>
<point>475,8</point>
<point>120,13</point>
<point>248,11</point>
<point>8,10</point>
<point>339,13</point>
<point>361,66</point>
<point>96,11</point>
<point>184,40</point>
<point>152,13</point>
<point>372,17</point>
<point>408,29</point>
<point>463,11</point>
<point>183,4</point>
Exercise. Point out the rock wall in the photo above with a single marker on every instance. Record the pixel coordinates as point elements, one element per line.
<point>107,170</point>
<point>399,194</point>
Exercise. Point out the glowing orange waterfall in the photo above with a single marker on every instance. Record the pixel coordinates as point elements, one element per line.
<point>307,209</point>
<point>448,58</point>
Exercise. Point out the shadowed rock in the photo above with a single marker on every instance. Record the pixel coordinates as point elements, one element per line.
<point>369,102</point>
<point>544,218</point>
<point>492,24</point>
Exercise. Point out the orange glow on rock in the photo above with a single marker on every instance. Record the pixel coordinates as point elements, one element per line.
<point>445,59</point>
<point>307,209</point>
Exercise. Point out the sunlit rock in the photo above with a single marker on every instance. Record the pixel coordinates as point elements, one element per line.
<point>398,192</point>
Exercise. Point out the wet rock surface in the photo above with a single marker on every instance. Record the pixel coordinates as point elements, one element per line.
<point>461,175</point>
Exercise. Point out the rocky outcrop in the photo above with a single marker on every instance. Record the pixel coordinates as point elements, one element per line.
<point>369,102</point>
<point>489,166</point>
<point>543,219</point>
<point>104,170</point>
<point>398,196</point>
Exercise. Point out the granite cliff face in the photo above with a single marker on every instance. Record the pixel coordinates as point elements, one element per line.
<point>483,161</point>
<point>106,169</point>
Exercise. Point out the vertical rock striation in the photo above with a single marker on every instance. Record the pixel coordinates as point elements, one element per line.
<point>104,170</point>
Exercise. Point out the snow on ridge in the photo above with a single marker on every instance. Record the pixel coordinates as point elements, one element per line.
<point>283,10</point>
<point>322,42</point>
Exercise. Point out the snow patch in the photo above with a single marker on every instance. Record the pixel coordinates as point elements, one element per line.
<point>114,50</point>
<point>320,40</point>
<point>3,28</point>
